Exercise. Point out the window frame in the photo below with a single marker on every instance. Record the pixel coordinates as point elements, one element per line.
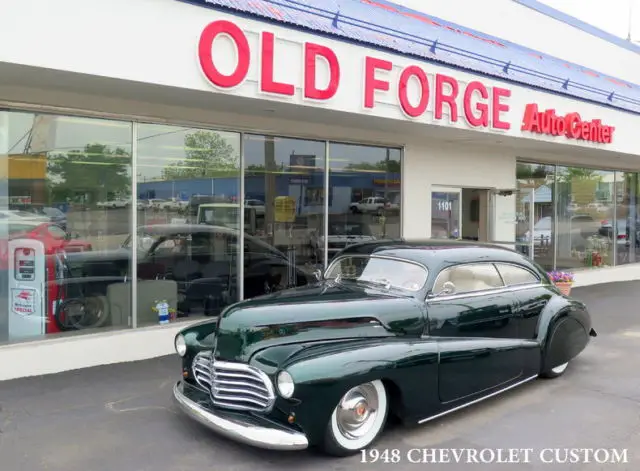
<point>433,295</point>
<point>522,267</point>
<point>338,259</point>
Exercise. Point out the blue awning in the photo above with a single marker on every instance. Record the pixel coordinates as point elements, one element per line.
<point>378,23</point>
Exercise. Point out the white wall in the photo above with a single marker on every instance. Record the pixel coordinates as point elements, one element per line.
<point>428,164</point>
<point>516,23</point>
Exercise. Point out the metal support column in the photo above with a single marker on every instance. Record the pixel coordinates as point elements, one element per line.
<point>134,226</point>
<point>325,216</point>
<point>240,264</point>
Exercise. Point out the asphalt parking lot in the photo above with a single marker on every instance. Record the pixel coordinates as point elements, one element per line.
<point>121,417</point>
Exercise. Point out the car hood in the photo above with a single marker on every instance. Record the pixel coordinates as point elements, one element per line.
<point>325,311</point>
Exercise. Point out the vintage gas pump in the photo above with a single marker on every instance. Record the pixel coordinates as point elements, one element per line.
<point>33,289</point>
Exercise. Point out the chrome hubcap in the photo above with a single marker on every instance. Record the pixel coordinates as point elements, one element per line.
<point>357,411</point>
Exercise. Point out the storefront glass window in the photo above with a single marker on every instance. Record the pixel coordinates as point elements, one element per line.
<point>627,235</point>
<point>188,222</point>
<point>65,212</point>
<point>585,210</point>
<point>365,204</point>
<point>534,209</point>
<point>284,186</point>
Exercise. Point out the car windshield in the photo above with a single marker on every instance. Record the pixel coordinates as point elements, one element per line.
<point>348,229</point>
<point>384,272</point>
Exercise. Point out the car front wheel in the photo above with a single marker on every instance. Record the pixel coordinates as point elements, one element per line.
<point>357,420</point>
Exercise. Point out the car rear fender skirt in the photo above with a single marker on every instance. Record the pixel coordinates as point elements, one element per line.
<point>557,308</point>
<point>567,339</point>
<point>409,368</point>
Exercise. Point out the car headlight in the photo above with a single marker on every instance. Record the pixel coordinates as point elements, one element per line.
<point>181,345</point>
<point>285,384</point>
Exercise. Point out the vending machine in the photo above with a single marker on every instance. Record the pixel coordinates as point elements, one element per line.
<point>33,289</point>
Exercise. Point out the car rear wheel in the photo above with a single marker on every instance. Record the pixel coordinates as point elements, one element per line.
<point>555,372</point>
<point>357,420</point>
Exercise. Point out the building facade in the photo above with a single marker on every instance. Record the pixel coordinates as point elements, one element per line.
<point>157,171</point>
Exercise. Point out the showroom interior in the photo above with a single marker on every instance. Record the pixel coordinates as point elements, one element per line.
<point>581,217</point>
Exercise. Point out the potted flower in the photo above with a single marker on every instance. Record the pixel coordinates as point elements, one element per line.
<point>563,280</point>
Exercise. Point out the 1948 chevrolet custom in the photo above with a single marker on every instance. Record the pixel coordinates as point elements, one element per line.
<point>410,329</point>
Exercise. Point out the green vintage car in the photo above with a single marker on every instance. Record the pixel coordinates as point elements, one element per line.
<point>410,329</point>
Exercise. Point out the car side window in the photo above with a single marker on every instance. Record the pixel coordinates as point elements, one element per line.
<point>467,278</point>
<point>513,275</point>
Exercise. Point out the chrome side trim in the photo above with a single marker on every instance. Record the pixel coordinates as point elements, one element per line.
<point>250,434</point>
<point>475,401</point>
<point>506,289</point>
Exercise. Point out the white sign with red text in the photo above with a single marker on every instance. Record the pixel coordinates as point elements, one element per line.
<point>24,301</point>
<point>174,61</point>
<point>226,57</point>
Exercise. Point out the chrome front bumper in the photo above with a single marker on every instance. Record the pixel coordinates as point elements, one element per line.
<point>238,428</point>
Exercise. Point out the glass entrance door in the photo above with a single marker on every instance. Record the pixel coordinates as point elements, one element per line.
<point>512,222</point>
<point>446,207</point>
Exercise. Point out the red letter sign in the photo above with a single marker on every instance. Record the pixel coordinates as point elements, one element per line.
<point>267,82</point>
<point>441,98</point>
<point>311,90</point>
<point>571,126</point>
<point>483,108</point>
<point>407,107</point>
<point>499,107</point>
<point>371,83</point>
<point>205,54</point>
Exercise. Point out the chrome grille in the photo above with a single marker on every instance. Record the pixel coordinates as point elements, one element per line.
<point>202,370</point>
<point>234,385</point>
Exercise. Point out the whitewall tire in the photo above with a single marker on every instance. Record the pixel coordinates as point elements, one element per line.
<point>555,371</point>
<point>358,419</point>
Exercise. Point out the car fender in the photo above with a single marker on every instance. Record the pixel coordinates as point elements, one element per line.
<point>408,368</point>
<point>564,328</point>
<point>557,308</point>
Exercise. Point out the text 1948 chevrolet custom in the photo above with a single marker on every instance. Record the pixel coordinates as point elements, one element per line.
<point>413,329</point>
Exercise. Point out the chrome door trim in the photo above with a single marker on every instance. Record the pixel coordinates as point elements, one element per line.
<point>475,401</point>
<point>475,294</point>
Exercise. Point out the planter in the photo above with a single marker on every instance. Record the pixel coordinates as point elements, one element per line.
<point>564,287</point>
